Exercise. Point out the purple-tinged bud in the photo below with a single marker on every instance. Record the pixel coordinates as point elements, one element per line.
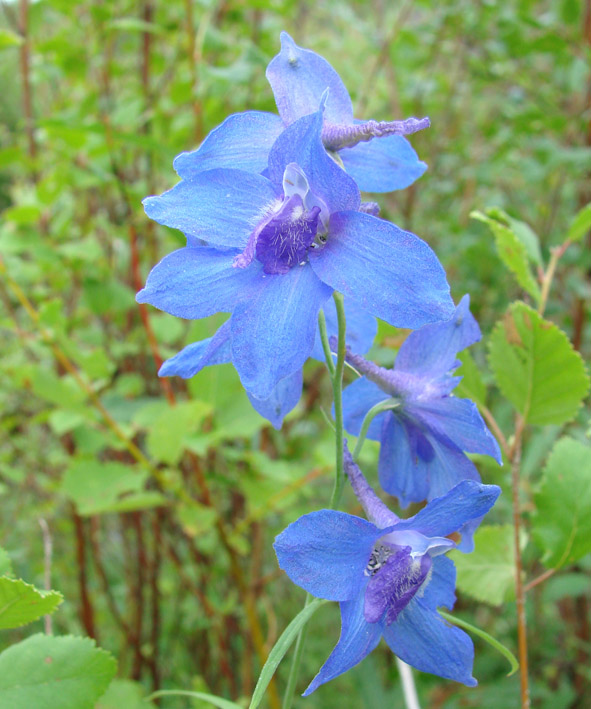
<point>336,137</point>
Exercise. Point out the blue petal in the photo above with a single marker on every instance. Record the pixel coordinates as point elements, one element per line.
<point>360,333</point>
<point>242,141</point>
<point>358,639</point>
<point>191,360</point>
<point>299,77</point>
<point>459,421</point>
<point>326,553</point>
<point>402,472</point>
<point>284,398</point>
<point>358,398</point>
<point>301,143</point>
<point>389,272</point>
<point>273,329</point>
<point>193,283</point>
<point>444,515</point>
<point>383,164</point>
<point>218,206</point>
<point>432,350</point>
<point>439,591</point>
<point>421,637</point>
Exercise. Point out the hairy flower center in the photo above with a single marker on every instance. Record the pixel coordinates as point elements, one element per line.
<point>395,578</point>
<point>289,228</point>
<point>285,239</point>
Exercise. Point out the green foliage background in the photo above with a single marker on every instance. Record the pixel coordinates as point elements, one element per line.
<point>149,556</point>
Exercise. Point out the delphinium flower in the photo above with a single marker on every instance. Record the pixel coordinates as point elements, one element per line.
<point>277,247</point>
<point>374,153</point>
<point>389,575</point>
<point>424,436</point>
<point>360,333</point>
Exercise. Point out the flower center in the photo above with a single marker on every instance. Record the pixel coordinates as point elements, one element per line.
<point>289,229</point>
<point>394,583</point>
<point>285,239</point>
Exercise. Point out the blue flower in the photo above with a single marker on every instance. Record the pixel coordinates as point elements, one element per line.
<point>360,333</point>
<point>389,576</point>
<point>299,78</point>
<point>424,437</point>
<point>277,247</point>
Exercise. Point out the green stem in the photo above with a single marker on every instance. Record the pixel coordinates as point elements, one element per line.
<point>376,409</point>
<point>337,388</point>
<point>485,636</point>
<point>325,343</point>
<point>294,670</point>
<point>336,375</point>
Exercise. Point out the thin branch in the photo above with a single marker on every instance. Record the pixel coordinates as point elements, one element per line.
<point>47,554</point>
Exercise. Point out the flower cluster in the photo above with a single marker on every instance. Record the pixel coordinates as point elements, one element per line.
<point>275,224</point>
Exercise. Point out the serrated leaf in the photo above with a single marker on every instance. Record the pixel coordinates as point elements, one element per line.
<point>562,523</point>
<point>471,386</point>
<point>22,603</point>
<point>488,573</point>
<point>97,488</point>
<point>46,672</point>
<point>512,252</point>
<point>536,367</point>
<point>580,225</point>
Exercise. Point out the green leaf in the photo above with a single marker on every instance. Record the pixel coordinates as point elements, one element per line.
<point>512,252</point>
<point>124,693</point>
<point>522,231</point>
<point>9,39</point>
<point>505,652</point>
<point>202,696</point>
<point>471,386</point>
<point>580,225</point>
<point>46,672</point>
<point>280,649</point>
<point>536,367</point>
<point>133,24</point>
<point>488,573</point>
<point>96,488</point>
<point>168,432</point>
<point>5,563</point>
<point>21,603</point>
<point>561,526</point>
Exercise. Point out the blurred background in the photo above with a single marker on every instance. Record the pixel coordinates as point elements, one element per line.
<point>161,498</point>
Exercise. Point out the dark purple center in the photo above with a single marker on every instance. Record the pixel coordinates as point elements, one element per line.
<point>285,239</point>
<point>392,587</point>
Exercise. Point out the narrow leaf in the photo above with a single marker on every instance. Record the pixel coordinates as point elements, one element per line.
<point>512,252</point>
<point>211,698</point>
<point>536,367</point>
<point>522,231</point>
<point>580,225</point>
<point>280,649</point>
<point>505,652</point>
<point>21,603</point>
<point>9,39</point>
